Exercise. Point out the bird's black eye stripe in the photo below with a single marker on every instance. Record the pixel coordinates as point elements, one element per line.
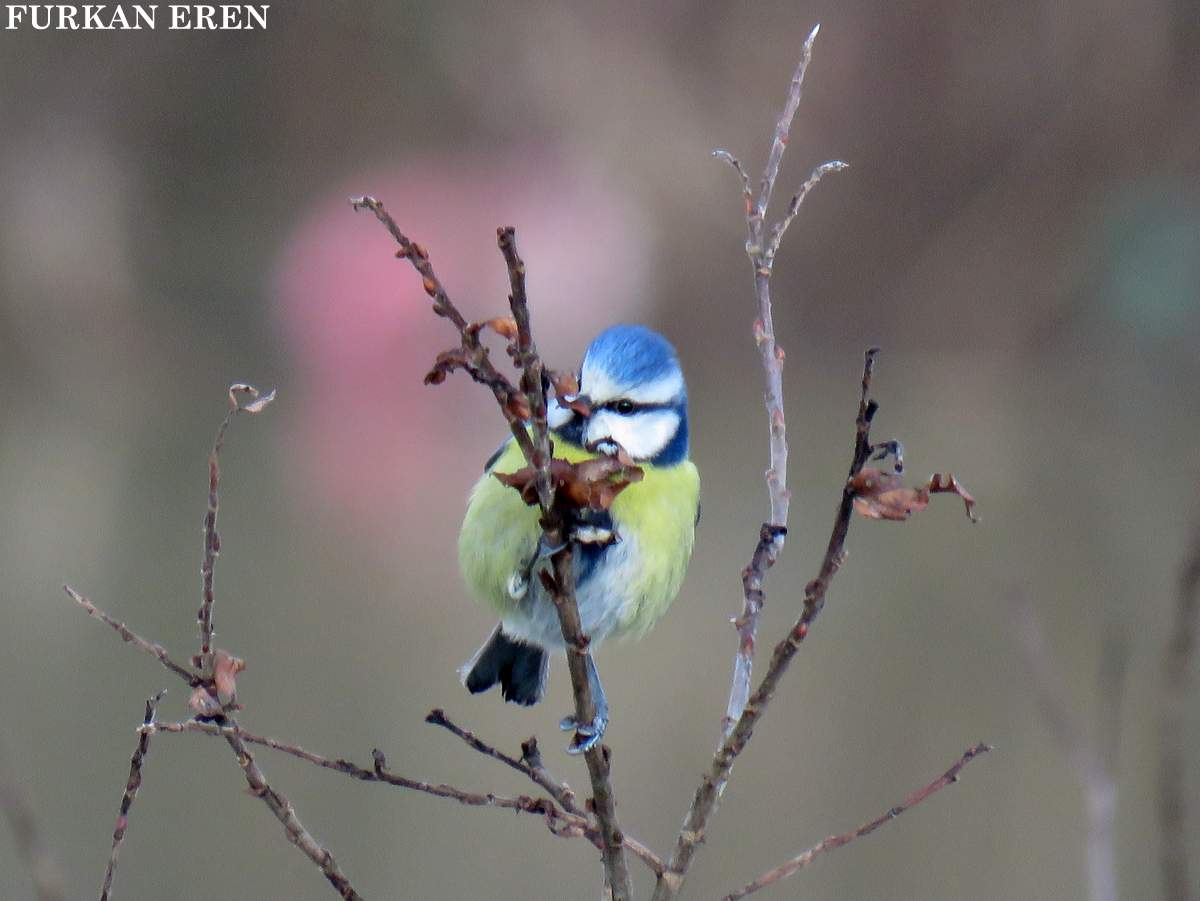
<point>625,407</point>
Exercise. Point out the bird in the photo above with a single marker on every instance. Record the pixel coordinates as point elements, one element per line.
<point>629,561</point>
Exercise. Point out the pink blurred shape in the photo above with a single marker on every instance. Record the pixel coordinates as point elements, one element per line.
<point>361,332</point>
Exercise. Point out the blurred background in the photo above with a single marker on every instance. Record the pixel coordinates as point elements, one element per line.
<point>1019,231</point>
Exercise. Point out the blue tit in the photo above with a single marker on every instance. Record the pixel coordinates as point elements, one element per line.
<point>629,561</point>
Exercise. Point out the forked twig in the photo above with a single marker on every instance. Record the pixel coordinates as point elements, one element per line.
<point>761,247</point>
<point>563,795</point>
<point>567,822</point>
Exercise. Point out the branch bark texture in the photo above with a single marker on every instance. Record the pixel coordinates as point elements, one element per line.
<point>762,243</point>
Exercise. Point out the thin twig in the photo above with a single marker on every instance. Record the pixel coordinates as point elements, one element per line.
<point>45,873</point>
<point>532,372</point>
<point>780,228</point>
<point>286,814</point>
<point>709,792</point>
<point>726,157</point>
<point>1091,762</point>
<point>472,356</point>
<point>531,754</point>
<point>1172,772</point>
<point>564,823</point>
<point>559,791</point>
<point>255,778</point>
<point>131,788</point>
<point>761,248</point>
<point>784,125</point>
<point>242,399</point>
<point>804,858</point>
<point>562,585</point>
<point>130,637</point>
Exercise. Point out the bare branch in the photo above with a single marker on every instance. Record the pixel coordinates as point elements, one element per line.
<point>255,778</point>
<point>286,814</point>
<point>563,823</point>
<point>532,766</point>
<point>726,157</point>
<point>784,125</point>
<point>472,356</point>
<point>780,227</point>
<point>761,251</point>
<point>704,802</point>
<point>558,790</point>
<point>561,792</point>
<point>526,357</point>
<point>242,399</point>
<point>1172,772</point>
<point>804,858</point>
<point>131,788</point>
<point>129,636</point>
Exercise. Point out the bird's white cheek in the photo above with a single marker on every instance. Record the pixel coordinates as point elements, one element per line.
<point>642,435</point>
<point>602,425</point>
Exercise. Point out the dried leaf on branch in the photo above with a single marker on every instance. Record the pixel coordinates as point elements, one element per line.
<point>882,495</point>
<point>225,670</point>
<point>248,399</point>
<point>588,485</point>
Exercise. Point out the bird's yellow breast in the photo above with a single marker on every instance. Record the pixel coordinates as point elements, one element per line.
<point>655,518</point>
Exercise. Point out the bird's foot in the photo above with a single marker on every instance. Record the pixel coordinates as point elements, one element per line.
<point>587,735</point>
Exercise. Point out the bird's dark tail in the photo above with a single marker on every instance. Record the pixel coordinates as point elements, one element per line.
<point>519,668</point>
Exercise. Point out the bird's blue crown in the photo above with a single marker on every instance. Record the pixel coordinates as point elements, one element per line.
<point>638,366</point>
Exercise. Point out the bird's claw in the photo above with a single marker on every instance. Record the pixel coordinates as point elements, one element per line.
<point>587,735</point>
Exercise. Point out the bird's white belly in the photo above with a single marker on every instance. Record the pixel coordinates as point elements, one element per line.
<point>604,599</point>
